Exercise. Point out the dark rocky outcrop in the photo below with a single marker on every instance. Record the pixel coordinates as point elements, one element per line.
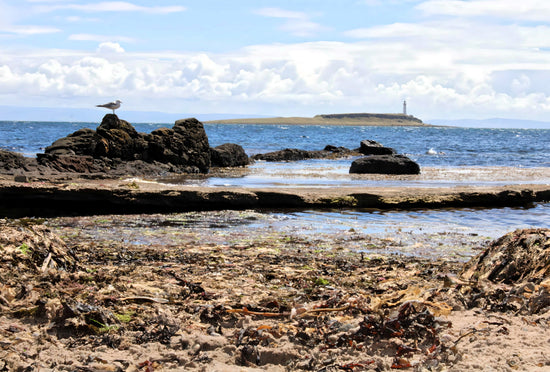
<point>186,144</point>
<point>370,147</point>
<point>184,148</point>
<point>70,163</point>
<point>385,164</point>
<point>81,142</point>
<point>10,160</point>
<point>228,155</point>
<point>296,154</point>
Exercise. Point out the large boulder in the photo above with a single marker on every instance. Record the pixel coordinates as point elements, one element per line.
<point>81,142</point>
<point>186,144</point>
<point>228,155</point>
<point>370,147</point>
<point>69,163</point>
<point>511,274</point>
<point>118,139</point>
<point>185,147</point>
<point>114,138</point>
<point>385,164</point>
<point>11,160</point>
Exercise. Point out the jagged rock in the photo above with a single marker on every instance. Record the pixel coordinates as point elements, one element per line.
<point>385,164</point>
<point>296,154</point>
<point>117,138</point>
<point>81,142</point>
<point>370,147</point>
<point>69,163</point>
<point>11,160</point>
<point>284,155</point>
<point>229,155</point>
<point>185,144</point>
<point>184,148</point>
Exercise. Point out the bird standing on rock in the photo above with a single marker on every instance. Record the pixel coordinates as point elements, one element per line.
<point>111,105</point>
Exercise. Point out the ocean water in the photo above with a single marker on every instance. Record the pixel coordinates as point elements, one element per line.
<point>453,146</point>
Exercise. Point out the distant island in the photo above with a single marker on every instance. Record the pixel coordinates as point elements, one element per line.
<point>365,119</point>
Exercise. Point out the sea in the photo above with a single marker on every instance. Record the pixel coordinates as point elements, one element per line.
<point>448,157</point>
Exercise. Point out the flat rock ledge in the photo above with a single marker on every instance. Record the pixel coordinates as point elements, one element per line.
<point>90,197</point>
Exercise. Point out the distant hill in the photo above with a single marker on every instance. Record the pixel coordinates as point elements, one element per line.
<point>365,119</point>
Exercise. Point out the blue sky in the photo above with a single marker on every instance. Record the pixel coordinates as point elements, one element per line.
<point>448,58</point>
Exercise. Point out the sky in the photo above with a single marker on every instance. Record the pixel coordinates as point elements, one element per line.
<point>448,59</point>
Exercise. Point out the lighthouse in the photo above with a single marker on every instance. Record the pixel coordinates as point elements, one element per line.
<point>404,107</point>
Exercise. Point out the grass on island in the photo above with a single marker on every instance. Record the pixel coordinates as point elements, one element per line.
<point>333,119</point>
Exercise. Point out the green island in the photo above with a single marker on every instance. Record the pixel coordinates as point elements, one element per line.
<point>365,119</point>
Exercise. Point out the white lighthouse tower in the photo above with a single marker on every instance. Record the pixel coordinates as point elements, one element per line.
<point>404,107</point>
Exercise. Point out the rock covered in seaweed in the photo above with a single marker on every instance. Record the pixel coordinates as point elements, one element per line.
<point>33,248</point>
<point>519,256</point>
<point>511,274</point>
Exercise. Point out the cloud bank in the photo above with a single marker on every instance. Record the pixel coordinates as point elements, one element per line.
<point>458,59</point>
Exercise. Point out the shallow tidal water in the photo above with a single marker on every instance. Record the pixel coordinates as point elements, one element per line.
<point>455,234</point>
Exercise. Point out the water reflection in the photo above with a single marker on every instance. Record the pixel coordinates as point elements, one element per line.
<point>454,234</point>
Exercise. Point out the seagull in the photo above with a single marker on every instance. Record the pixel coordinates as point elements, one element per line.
<point>111,105</point>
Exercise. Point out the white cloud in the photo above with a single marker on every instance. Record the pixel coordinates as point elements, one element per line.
<point>297,23</point>
<point>30,30</point>
<point>444,66</point>
<point>304,78</point>
<point>101,38</point>
<point>9,17</point>
<point>113,6</point>
<point>531,10</point>
<point>109,47</point>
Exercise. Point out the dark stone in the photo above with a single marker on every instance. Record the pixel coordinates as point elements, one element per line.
<point>11,160</point>
<point>385,164</point>
<point>285,155</point>
<point>81,142</point>
<point>183,148</point>
<point>296,154</point>
<point>370,147</point>
<point>228,155</point>
<point>186,144</point>
<point>69,163</point>
<point>117,138</point>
